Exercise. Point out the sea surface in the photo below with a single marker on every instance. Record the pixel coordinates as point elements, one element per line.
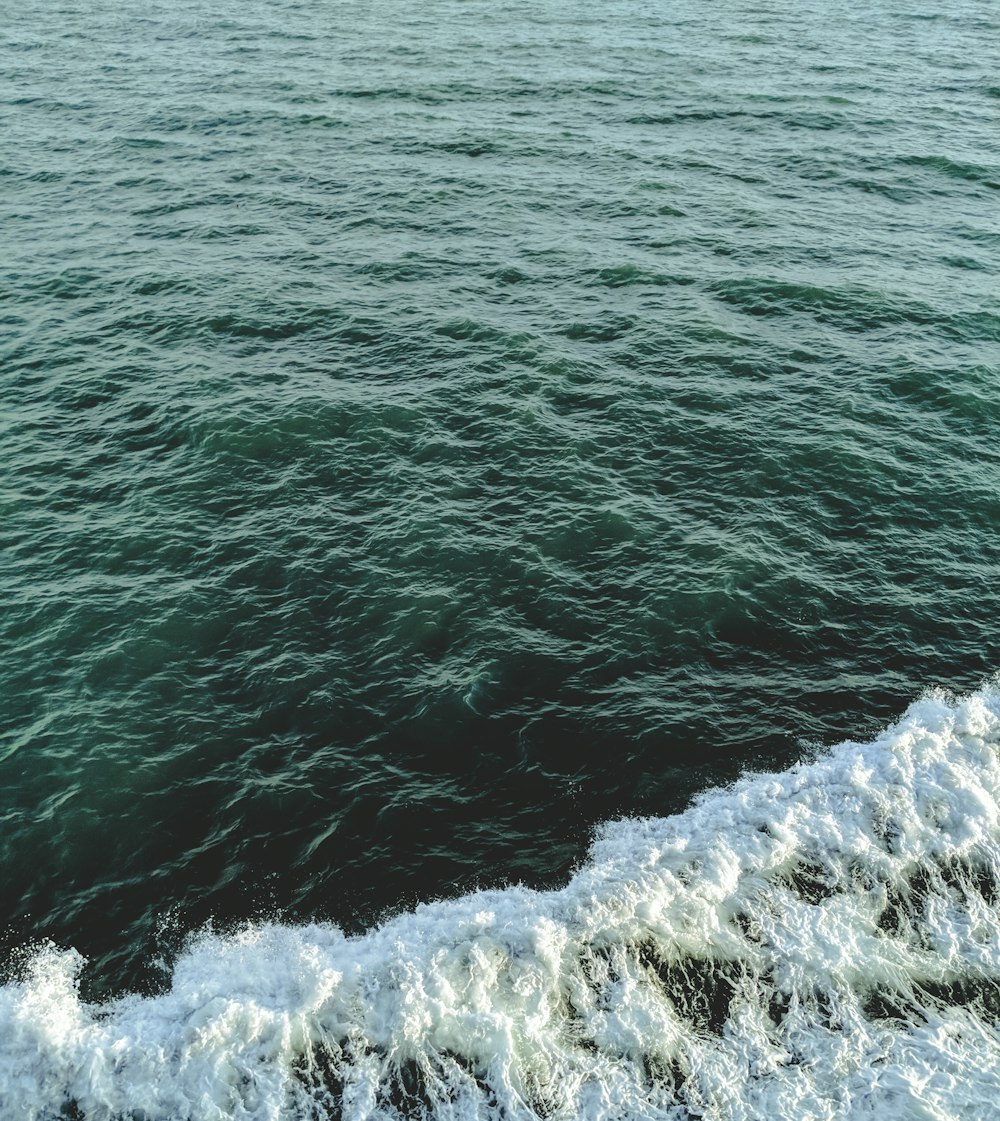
<point>500,560</point>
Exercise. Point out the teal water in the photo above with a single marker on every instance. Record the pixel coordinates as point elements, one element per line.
<point>429,434</point>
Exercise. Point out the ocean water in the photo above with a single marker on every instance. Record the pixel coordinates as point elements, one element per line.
<point>500,570</point>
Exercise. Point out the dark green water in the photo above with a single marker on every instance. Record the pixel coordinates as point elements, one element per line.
<point>430,432</point>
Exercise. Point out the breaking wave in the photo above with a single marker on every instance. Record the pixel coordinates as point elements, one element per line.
<point>820,943</point>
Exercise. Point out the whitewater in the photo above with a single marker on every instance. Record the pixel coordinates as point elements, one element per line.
<point>819,943</point>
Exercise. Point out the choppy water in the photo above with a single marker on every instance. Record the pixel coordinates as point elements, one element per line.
<point>432,433</point>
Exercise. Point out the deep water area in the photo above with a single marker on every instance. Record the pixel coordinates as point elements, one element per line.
<point>445,447</point>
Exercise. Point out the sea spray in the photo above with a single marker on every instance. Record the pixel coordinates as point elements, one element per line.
<point>821,943</point>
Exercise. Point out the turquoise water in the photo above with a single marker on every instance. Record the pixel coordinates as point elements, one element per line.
<point>430,434</point>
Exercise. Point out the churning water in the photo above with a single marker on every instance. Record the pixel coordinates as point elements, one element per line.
<point>434,433</point>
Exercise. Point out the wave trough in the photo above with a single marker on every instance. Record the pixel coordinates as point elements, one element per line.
<point>821,943</point>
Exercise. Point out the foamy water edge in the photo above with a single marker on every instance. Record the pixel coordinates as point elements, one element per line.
<point>819,943</point>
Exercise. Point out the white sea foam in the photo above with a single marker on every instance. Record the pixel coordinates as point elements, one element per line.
<point>822,943</point>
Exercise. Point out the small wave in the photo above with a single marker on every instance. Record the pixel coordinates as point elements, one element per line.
<point>627,276</point>
<point>609,328</point>
<point>988,176</point>
<point>824,942</point>
<point>852,308</point>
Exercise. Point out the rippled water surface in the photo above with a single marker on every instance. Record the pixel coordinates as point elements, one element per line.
<point>430,432</point>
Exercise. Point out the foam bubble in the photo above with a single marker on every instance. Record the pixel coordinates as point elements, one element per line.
<point>821,943</point>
